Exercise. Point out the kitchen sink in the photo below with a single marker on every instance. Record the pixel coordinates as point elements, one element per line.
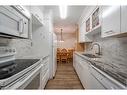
<point>91,55</point>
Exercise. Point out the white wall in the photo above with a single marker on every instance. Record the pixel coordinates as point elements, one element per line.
<point>69,40</point>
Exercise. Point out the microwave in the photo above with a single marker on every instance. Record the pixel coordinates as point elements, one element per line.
<point>13,23</point>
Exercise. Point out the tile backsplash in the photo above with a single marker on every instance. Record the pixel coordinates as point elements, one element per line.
<point>23,46</point>
<point>114,50</point>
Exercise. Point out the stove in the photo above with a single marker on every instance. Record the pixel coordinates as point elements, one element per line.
<point>12,69</point>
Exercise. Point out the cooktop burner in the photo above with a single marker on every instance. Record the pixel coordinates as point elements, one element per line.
<point>10,68</point>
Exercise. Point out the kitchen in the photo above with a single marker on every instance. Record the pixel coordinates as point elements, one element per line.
<point>31,35</point>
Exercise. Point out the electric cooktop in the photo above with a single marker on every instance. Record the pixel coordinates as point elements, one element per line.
<point>10,68</point>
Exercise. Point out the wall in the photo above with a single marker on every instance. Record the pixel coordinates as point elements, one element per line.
<point>69,40</point>
<point>114,51</point>
<point>78,46</point>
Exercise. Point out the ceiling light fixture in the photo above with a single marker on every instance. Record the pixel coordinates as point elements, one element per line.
<point>61,40</point>
<point>63,11</point>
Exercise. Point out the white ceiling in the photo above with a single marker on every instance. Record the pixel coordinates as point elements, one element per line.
<point>68,24</point>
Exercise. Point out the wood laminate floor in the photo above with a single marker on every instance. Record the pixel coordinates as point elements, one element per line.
<point>65,78</point>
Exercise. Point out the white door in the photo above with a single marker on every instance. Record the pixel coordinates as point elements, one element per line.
<point>110,20</point>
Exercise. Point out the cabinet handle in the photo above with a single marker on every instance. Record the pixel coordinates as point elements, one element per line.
<point>110,31</point>
<point>20,8</point>
<point>21,26</point>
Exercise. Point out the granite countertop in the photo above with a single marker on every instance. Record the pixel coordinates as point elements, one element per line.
<point>109,69</point>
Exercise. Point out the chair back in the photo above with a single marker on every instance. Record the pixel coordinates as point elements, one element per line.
<point>70,53</point>
<point>64,53</point>
<point>64,50</point>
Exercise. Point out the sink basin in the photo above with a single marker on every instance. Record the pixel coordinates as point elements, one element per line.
<point>90,55</point>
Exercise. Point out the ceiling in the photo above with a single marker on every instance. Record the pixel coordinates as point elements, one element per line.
<point>69,24</point>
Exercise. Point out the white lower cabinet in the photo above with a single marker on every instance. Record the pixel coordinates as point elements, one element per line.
<point>86,80</point>
<point>94,83</point>
<point>94,80</point>
<point>45,72</point>
<point>82,68</point>
<point>45,79</point>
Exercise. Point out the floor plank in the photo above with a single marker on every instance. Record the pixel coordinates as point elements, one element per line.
<point>65,78</point>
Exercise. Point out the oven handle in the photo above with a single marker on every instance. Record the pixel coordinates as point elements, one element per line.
<point>31,76</point>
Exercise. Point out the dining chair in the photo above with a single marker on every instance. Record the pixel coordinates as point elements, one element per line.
<point>64,55</point>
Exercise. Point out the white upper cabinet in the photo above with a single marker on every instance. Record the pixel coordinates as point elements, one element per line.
<point>93,23</point>
<point>107,20</point>
<point>81,33</point>
<point>82,37</point>
<point>88,25</point>
<point>110,21</point>
<point>123,19</point>
<point>37,15</point>
<point>95,18</point>
<point>85,24</point>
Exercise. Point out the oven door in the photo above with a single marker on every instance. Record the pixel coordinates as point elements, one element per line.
<point>11,21</point>
<point>33,81</point>
<point>30,80</point>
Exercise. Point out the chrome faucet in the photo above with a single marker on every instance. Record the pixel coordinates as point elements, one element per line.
<point>99,48</point>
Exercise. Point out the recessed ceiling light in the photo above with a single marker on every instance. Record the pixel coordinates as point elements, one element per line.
<point>63,11</point>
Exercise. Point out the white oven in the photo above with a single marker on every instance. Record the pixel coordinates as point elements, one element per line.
<point>20,73</point>
<point>28,80</point>
<point>13,22</point>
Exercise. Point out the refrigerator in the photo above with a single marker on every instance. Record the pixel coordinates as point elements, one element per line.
<point>54,54</point>
<point>53,57</point>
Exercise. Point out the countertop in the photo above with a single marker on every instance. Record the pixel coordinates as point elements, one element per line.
<point>109,69</point>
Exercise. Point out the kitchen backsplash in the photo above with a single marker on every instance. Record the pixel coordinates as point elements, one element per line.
<point>114,50</point>
<point>22,46</point>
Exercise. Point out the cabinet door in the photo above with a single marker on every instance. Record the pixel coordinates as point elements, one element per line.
<point>76,63</point>
<point>35,10</point>
<point>81,33</point>
<point>82,37</point>
<point>95,84</point>
<point>95,18</point>
<point>123,19</point>
<point>85,74</point>
<point>110,20</point>
<point>95,79</point>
